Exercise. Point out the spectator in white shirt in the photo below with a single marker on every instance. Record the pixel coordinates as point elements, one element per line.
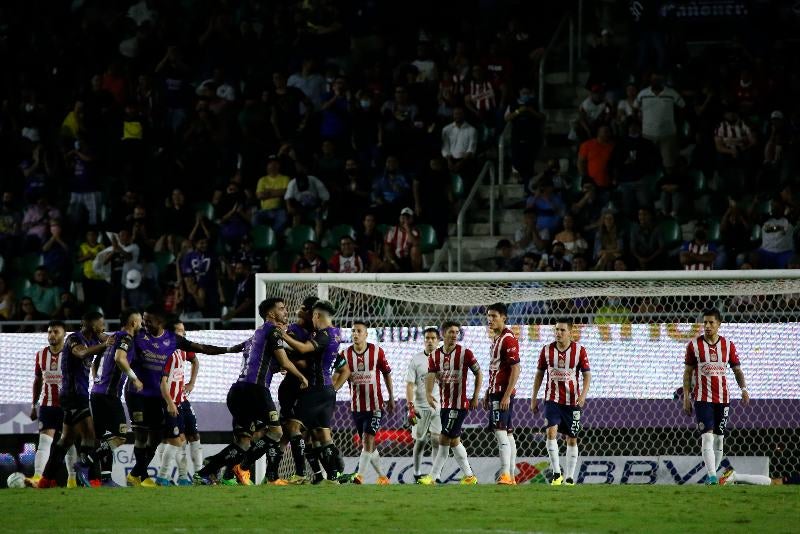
<point>657,106</point>
<point>310,82</point>
<point>307,199</point>
<point>459,143</point>
<point>777,243</point>
<point>593,112</point>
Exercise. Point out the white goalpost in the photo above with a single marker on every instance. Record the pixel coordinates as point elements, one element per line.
<point>635,326</point>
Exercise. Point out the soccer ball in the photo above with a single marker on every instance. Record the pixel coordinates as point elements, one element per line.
<point>16,480</point>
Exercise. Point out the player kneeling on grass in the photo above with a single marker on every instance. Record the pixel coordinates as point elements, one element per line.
<point>563,360</point>
<point>450,365</point>
<point>362,364</point>
<point>422,417</point>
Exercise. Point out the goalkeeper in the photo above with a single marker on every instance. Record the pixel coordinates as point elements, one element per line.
<point>421,415</point>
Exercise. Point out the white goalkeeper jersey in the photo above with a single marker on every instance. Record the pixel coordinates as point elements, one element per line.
<point>416,373</point>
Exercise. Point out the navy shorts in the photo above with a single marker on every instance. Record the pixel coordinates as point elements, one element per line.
<point>50,418</point>
<point>189,418</point>
<point>368,422</point>
<point>288,392</point>
<point>567,418</point>
<point>147,413</point>
<point>76,409</point>
<point>452,420</point>
<point>251,407</point>
<point>173,425</point>
<point>711,416</point>
<point>500,419</point>
<point>315,408</point>
<point>109,416</point>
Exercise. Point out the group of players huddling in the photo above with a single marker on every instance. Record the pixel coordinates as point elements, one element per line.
<point>145,361</point>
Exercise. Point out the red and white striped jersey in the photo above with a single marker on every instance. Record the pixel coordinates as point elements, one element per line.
<point>563,372</point>
<point>482,94</point>
<point>733,135</point>
<point>504,354</point>
<point>173,370</point>
<point>366,369</point>
<point>399,240</point>
<point>187,357</point>
<point>451,370</point>
<point>48,366</point>
<point>710,364</point>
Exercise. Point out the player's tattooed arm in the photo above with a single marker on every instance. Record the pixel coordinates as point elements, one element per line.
<point>303,347</point>
<point>287,364</point>
<point>82,351</point>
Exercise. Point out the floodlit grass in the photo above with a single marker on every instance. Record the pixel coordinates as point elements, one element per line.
<point>406,508</point>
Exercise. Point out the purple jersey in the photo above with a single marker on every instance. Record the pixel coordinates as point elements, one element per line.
<point>300,334</point>
<point>109,379</point>
<point>151,355</point>
<point>74,370</point>
<point>258,353</point>
<point>200,266</point>
<point>326,350</point>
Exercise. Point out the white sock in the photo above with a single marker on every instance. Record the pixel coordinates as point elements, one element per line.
<point>159,457</point>
<point>552,452</point>
<point>363,460</point>
<point>170,452</point>
<point>755,480</point>
<point>572,461</point>
<point>504,451</point>
<point>72,457</point>
<point>438,462</point>
<point>42,454</point>
<point>718,450</point>
<point>183,462</point>
<point>197,454</point>
<point>460,454</point>
<point>419,449</point>
<point>513,443</point>
<point>375,460</point>
<point>434,446</point>
<point>707,450</point>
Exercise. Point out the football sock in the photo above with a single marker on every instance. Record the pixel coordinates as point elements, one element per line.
<point>755,480</point>
<point>718,450</point>
<point>42,454</point>
<point>504,451</point>
<point>552,452</point>
<point>197,454</point>
<point>375,460</point>
<point>312,455</point>
<point>460,454</point>
<point>183,461</point>
<point>228,457</point>
<point>419,449</point>
<point>513,443</point>
<point>330,460</point>
<point>87,458</point>
<point>274,456</point>
<point>438,462</point>
<point>169,454</point>
<point>71,458</point>
<point>160,453</point>
<point>105,458</point>
<point>298,447</point>
<point>572,461</point>
<point>256,451</point>
<point>707,450</point>
<point>140,465</point>
<point>57,453</point>
<point>363,460</point>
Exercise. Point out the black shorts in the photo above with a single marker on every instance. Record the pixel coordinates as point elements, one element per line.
<point>147,413</point>
<point>288,392</point>
<point>109,416</point>
<point>50,418</point>
<point>500,419</point>
<point>452,421</point>
<point>76,409</point>
<point>189,418</point>
<point>711,416</point>
<point>315,408</point>
<point>567,418</point>
<point>367,422</point>
<point>173,425</point>
<point>252,408</point>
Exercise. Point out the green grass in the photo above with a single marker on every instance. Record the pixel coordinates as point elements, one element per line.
<point>406,508</point>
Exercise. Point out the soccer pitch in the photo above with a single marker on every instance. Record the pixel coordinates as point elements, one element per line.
<point>405,508</point>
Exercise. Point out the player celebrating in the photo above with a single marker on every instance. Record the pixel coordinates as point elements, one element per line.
<point>47,378</point>
<point>707,359</point>
<point>421,415</point>
<point>80,347</point>
<point>564,396</point>
<point>107,410</point>
<point>316,404</point>
<point>503,375</point>
<point>450,365</point>
<point>249,399</point>
<point>363,364</point>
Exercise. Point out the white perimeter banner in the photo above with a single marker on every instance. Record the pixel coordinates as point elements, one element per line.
<point>590,469</point>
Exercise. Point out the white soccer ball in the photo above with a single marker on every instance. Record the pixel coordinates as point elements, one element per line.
<point>16,480</point>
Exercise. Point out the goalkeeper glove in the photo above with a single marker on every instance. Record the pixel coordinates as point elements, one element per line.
<point>412,414</point>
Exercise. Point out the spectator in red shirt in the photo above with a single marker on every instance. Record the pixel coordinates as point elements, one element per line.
<point>594,156</point>
<point>310,261</point>
<point>401,245</point>
<point>350,260</point>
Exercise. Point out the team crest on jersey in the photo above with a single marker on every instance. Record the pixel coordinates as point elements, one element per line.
<point>712,353</point>
<point>562,361</point>
<point>360,366</point>
<point>446,365</point>
<point>53,364</point>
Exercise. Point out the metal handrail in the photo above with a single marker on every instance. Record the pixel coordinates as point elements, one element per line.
<point>567,17</point>
<point>501,153</point>
<point>488,168</point>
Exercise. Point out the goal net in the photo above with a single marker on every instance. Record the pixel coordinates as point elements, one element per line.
<point>635,326</point>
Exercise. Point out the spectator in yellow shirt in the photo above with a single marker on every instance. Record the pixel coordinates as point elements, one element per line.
<point>95,287</point>
<point>270,191</point>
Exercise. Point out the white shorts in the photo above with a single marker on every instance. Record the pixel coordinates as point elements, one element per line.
<point>428,421</point>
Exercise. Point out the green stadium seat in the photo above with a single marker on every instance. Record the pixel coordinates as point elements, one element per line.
<point>297,236</point>
<point>699,183</point>
<point>19,285</point>
<point>332,236</point>
<point>26,264</point>
<point>755,235</point>
<point>457,185</point>
<point>264,237</point>
<point>763,207</point>
<point>326,252</point>
<point>713,230</point>
<point>427,238</point>
<point>163,259</point>
<point>383,228</point>
<point>670,232</point>
<point>206,208</point>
